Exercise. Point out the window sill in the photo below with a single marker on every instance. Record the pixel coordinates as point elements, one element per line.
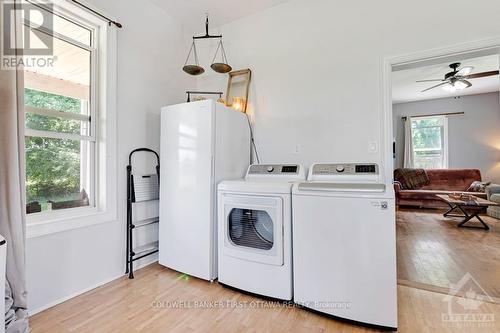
<point>42,224</point>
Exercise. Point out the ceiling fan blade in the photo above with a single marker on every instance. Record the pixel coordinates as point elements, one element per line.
<point>437,85</point>
<point>467,83</point>
<point>432,80</point>
<point>482,74</point>
<point>464,71</point>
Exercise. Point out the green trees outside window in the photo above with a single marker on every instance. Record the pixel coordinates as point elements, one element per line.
<point>429,142</point>
<point>52,165</point>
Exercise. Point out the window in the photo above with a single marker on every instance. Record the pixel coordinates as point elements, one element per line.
<point>430,141</point>
<point>60,122</point>
<point>70,121</point>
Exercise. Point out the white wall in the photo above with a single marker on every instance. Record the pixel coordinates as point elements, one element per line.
<point>149,76</point>
<point>316,85</point>
<point>473,138</point>
<point>316,68</point>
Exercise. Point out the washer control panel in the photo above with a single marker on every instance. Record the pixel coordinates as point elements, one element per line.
<point>274,169</point>
<point>345,169</point>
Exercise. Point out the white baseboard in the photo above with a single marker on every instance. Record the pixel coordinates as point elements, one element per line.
<point>82,291</point>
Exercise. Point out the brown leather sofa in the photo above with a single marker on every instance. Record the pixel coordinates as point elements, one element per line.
<point>442,181</point>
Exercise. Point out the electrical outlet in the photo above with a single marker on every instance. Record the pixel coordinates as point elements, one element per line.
<point>373,147</point>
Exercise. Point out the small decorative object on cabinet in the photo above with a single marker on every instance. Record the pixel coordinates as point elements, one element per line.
<point>140,188</point>
<point>198,93</point>
<point>238,86</point>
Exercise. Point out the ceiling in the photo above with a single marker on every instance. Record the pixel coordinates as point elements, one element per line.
<point>192,12</point>
<point>405,89</point>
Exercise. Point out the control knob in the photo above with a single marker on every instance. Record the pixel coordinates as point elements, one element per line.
<point>270,169</point>
<point>340,168</point>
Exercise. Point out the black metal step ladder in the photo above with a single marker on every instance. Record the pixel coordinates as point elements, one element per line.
<point>140,188</point>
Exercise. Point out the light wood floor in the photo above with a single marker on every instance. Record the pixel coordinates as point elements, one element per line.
<point>432,250</point>
<point>142,305</point>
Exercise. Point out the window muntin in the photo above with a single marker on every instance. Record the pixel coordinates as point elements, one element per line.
<point>55,113</point>
<point>429,140</point>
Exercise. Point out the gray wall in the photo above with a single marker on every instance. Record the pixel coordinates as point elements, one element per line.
<point>474,138</point>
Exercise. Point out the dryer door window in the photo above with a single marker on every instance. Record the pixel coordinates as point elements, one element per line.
<point>251,228</point>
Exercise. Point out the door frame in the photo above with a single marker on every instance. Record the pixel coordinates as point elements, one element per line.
<point>436,55</point>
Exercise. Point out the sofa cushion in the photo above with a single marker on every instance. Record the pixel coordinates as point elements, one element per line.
<point>495,198</point>
<point>430,194</point>
<point>457,180</point>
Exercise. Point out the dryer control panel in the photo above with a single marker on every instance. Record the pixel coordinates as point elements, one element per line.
<point>293,171</point>
<point>347,169</point>
<point>342,172</point>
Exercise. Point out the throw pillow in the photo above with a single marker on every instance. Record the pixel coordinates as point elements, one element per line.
<point>478,186</point>
<point>495,198</point>
<point>411,179</point>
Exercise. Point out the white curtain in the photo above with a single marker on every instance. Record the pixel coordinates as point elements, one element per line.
<point>12,193</point>
<point>408,144</point>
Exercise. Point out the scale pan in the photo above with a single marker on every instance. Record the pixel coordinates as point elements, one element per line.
<point>193,69</point>
<point>221,67</point>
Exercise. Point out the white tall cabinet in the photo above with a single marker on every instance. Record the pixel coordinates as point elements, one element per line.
<point>202,143</point>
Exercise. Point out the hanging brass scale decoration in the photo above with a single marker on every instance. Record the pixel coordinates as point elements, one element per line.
<point>193,69</point>
<point>219,67</point>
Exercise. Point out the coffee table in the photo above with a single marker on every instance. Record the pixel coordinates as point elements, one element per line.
<point>468,209</point>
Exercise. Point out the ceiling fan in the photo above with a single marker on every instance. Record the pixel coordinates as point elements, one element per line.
<point>457,79</point>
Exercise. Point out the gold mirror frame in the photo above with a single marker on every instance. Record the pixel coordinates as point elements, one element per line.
<point>241,104</point>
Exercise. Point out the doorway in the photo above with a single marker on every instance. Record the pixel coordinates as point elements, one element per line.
<point>453,135</point>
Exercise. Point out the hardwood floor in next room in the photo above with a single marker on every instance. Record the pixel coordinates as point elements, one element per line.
<point>432,250</point>
<point>162,300</point>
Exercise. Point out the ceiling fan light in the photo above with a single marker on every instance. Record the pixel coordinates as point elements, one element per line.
<point>465,71</point>
<point>449,87</point>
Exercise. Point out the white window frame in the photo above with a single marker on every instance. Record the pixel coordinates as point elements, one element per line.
<point>87,173</point>
<point>444,143</point>
<point>103,134</point>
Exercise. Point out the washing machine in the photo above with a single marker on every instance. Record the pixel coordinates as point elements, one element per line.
<point>344,243</point>
<point>255,230</point>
